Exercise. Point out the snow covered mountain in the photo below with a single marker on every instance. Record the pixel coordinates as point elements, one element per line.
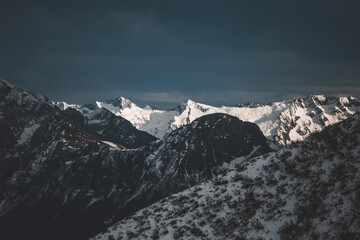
<point>155,122</point>
<point>310,190</point>
<point>285,122</point>
<point>59,179</point>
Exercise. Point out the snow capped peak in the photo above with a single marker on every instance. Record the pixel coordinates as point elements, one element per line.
<point>121,102</point>
<point>190,104</point>
<point>187,102</point>
<point>344,100</point>
<point>98,104</point>
<point>183,105</point>
<point>320,97</point>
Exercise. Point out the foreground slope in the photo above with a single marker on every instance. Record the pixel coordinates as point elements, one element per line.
<point>285,122</point>
<point>308,191</point>
<point>60,180</point>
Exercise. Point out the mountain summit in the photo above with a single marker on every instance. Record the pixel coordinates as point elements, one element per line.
<point>120,102</point>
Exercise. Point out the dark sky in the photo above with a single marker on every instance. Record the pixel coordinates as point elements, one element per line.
<point>163,52</point>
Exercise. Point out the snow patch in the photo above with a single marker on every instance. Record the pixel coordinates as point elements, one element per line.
<point>111,144</point>
<point>27,133</point>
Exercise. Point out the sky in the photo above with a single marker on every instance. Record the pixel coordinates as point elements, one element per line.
<point>164,52</point>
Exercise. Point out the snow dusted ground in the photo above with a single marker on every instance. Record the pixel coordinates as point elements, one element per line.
<point>285,122</point>
<point>310,190</point>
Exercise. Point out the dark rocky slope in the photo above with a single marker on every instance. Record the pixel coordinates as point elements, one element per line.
<point>59,180</point>
<point>108,127</point>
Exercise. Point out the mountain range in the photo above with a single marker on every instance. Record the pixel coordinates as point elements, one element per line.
<point>284,122</point>
<point>283,170</point>
<point>61,180</point>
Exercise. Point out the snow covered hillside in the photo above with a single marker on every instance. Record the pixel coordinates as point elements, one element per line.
<point>310,190</point>
<point>284,122</point>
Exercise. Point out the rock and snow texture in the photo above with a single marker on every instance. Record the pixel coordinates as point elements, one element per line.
<point>310,190</point>
<point>65,181</point>
<point>153,121</point>
<point>196,152</point>
<point>285,122</point>
<point>63,177</point>
<point>107,126</point>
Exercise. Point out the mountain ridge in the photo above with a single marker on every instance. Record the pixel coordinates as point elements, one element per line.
<point>285,122</point>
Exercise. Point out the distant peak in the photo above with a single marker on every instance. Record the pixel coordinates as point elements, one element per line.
<point>183,105</point>
<point>320,97</point>
<point>121,102</point>
<point>188,102</point>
